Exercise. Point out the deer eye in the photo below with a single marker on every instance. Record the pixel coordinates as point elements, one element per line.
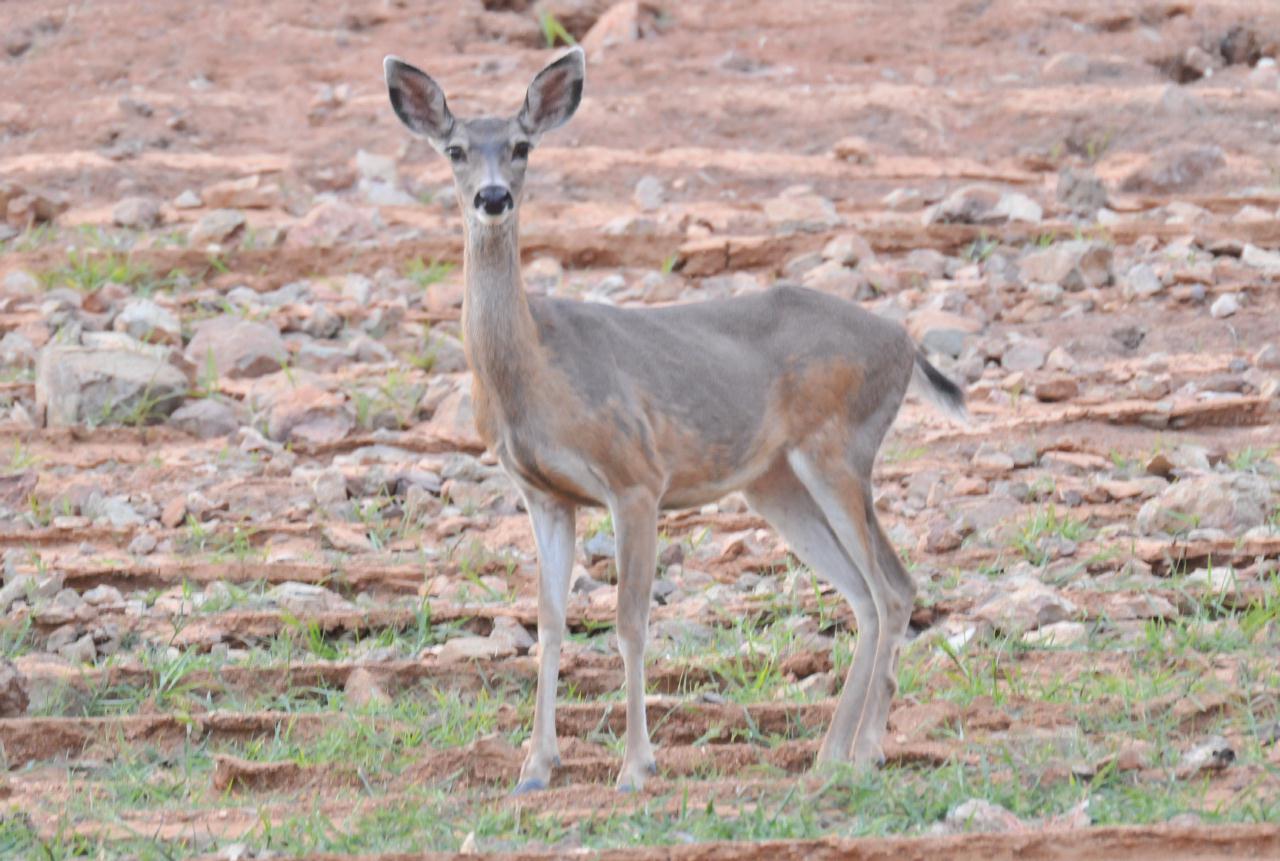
<point>456,154</point>
<point>520,150</point>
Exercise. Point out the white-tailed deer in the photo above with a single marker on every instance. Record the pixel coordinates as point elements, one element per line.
<point>785,395</point>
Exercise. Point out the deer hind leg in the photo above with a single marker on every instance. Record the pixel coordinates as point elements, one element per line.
<point>781,498</point>
<point>554,535</point>
<point>635,519</point>
<point>843,494</point>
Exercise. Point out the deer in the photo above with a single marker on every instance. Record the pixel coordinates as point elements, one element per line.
<point>784,395</point>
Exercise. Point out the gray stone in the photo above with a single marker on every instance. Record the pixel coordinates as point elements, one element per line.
<point>77,385</point>
<point>1081,191</point>
<point>1260,258</point>
<point>146,321</point>
<point>649,193</point>
<point>82,651</point>
<point>306,598</point>
<point>1213,754</point>
<point>17,351</point>
<point>138,213</point>
<point>216,227</point>
<point>1023,603</point>
<point>1234,503</point>
<point>14,696</point>
<point>970,204</point>
<point>1175,169</point>
<point>1023,356</point>
<point>1014,206</point>
<point>1142,282</point>
<point>188,199</point>
<point>205,418</point>
<point>238,347</point>
<point>1075,265</point>
<point>1224,306</point>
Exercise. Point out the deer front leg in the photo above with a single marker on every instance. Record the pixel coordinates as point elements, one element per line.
<point>635,519</point>
<point>554,535</point>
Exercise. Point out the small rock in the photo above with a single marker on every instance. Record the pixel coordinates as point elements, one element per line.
<point>142,544</point>
<point>1024,604</point>
<point>1234,503</point>
<point>1142,282</point>
<point>1060,634</point>
<point>1268,358</point>
<point>971,204</point>
<point>309,414</point>
<point>1060,388</point>
<point>236,347</point>
<point>137,213</point>
<point>205,418</point>
<point>1224,306</point>
<point>620,25</point>
<point>1076,265</point>
<point>306,598</point>
<point>510,631</point>
<point>1081,191</point>
<point>188,199</point>
<point>1175,169</point>
<point>806,213</point>
<point>1213,754</point>
<point>1023,356</point>
<point>1068,66</point>
<point>362,690</point>
<point>82,651</point>
<point>1015,207</point>
<point>462,649</point>
<point>216,227</point>
<point>174,513</point>
<point>992,458</point>
<point>1260,258</point>
<point>104,595</point>
<point>334,222</point>
<point>649,193</point>
<point>979,816</point>
<point>14,696</point>
<point>247,193</point>
<point>146,321</point>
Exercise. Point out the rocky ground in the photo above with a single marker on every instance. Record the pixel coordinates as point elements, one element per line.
<point>264,590</point>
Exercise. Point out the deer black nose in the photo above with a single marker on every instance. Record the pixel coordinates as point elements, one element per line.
<point>494,199</point>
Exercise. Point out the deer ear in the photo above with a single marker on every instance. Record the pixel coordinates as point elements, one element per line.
<point>417,100</point>
<point>554,94</point>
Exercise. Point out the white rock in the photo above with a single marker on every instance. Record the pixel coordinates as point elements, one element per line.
<point>1225,305</point>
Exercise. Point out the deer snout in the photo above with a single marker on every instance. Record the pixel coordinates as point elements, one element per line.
<point>494,199</point>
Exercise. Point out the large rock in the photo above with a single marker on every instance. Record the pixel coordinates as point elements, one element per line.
<point>1234,503</point>
<point>236,347</point>
<point>77,385</point>
<point>1075,265</point>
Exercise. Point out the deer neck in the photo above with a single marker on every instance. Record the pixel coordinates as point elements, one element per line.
<point>501,340</point>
